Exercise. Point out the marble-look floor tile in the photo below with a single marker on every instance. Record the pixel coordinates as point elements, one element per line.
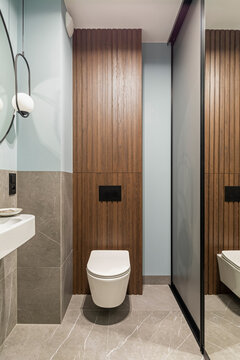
<point>222,327</point>
<point>77,336</point>
<point>153,335</point>
<point>221,302</point>
<point>222,330</point>
<point>25,342</point>
<point>154,298</point>
<point>231,353</point>
<point>90,333</point>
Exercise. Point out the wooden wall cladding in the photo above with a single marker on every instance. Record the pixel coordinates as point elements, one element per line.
<point>108,101</point>
<point>222,149</point>
<point>107,147</point>
<point>109,226</point>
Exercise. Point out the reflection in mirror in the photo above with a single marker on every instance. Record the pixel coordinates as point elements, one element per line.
<point>7,81</point>
<point>222,179</point>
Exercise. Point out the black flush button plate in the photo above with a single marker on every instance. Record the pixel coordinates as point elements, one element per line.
<point>12,184</point>
<point>232,193</point>
<point>110,193</point>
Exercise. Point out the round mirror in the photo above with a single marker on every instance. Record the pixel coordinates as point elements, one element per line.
<point>7,81</point>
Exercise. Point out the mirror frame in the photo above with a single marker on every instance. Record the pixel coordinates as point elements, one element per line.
<point>11,50</point>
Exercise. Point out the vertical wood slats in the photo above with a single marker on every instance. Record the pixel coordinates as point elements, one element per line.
<point>222,147</point>
<point>107,147</point>
<point>109,73</point>
<point>109,226</point>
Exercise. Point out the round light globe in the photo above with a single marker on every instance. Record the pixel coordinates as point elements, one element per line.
<point>25,103</point>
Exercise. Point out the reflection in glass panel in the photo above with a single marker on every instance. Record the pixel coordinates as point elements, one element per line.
<point>222,179</point>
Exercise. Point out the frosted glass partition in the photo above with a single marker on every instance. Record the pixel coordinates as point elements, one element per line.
<point>186,161</point>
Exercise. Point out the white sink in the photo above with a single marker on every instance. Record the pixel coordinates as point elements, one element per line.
<point>14,232</point>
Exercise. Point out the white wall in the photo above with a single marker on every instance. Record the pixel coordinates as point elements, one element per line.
<point>8,148</point>
<point>156,158</point>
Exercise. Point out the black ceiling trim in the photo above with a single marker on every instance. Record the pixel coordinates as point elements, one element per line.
<point>179,20</point>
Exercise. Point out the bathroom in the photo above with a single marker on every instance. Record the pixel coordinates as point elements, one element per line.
<point>119,159</point>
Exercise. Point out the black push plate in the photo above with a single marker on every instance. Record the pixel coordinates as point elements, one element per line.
<point>12,184</point>
<point>110,193</point>
<point>232,193</point>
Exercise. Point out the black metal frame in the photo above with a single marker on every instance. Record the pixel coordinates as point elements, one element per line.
<point>24,114</point>
<point>198,333</point>
<point>10,45</point>
<point>205,354</point>
<point>202,182</point>
<point>182,13</point>
<point>191,322</point>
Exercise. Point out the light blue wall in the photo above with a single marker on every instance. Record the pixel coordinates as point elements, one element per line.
<point>156,158</point>
<point>67,99</point>
<point>8,148</point>
<point>45,138</point>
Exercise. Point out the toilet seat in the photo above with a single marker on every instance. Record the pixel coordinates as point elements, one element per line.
<point>233,257</point>
<point>108,264</point>
<point>108,277</point>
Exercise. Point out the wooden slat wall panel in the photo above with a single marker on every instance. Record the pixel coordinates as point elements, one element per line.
<point>127,93</point>
<point>93,101</point>
<point>107,147</point>
<point>108,84</point>
<point>222,147</point>
<point>110,226</point>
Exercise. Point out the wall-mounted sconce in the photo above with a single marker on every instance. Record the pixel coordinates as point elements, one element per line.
<point>22,103</point>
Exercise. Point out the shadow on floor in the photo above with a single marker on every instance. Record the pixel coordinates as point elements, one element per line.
<point>232,302</point>
<point>108,316</point>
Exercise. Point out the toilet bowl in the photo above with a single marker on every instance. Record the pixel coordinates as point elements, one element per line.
<point>229,269</point>
<point>108,273</point>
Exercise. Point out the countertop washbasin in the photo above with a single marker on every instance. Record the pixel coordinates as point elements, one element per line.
<point>14,232</point>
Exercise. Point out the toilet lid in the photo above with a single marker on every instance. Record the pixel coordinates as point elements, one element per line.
<point>108,263</point>
<point>233,257</point>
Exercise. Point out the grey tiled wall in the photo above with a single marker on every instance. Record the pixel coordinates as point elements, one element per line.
<point>66,217</point>
<point>5,199</point>
<point>45,262</point>
<point>8,271</point>
<point>8,294</point>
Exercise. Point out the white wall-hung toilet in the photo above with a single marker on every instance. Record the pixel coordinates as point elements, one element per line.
<point>108,273</point>
<point>229,269</point>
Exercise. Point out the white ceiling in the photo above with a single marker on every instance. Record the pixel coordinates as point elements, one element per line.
<point>222,14</point>
<point>154,17</point>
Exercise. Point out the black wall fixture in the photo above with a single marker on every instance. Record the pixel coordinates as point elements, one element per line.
<point>12,184</point>
<point>110,193</point>
<point>232,193</point>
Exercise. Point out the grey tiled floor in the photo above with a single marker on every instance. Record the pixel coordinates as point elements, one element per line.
<point>147,327</point>
<point>222,327</point>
